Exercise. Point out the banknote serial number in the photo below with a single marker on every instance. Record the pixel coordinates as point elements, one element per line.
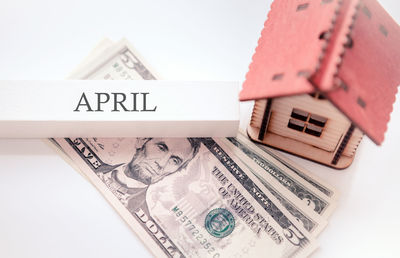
<point>195,232</point>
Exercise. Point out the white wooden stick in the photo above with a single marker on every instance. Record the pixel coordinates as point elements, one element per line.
<point>44,109</point>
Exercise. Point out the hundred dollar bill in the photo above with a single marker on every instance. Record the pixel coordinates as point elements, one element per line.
<point>310,220</point>
<point>272,169</point>
<point>189,197</point>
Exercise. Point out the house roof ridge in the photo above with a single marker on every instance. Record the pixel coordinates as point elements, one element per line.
<point>324,79</point>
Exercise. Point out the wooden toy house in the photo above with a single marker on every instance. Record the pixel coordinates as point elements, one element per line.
<point>324,73</point>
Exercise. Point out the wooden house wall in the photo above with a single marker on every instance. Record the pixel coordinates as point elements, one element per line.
<point>334,129</point>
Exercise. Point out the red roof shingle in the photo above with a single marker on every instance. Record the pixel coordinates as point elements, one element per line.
<point>349,50</point>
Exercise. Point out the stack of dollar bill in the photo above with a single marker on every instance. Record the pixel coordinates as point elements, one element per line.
<point>198,197</point>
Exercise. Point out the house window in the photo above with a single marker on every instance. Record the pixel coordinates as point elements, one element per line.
<point>306,122</point>
<point>317,95</point>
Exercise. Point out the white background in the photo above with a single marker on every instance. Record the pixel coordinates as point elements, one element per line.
<point>48,210</point>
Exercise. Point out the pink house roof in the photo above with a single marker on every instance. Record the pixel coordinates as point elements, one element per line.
<point>349,50</point>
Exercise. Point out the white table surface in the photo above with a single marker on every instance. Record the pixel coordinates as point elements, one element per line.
<point>48,210</point>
